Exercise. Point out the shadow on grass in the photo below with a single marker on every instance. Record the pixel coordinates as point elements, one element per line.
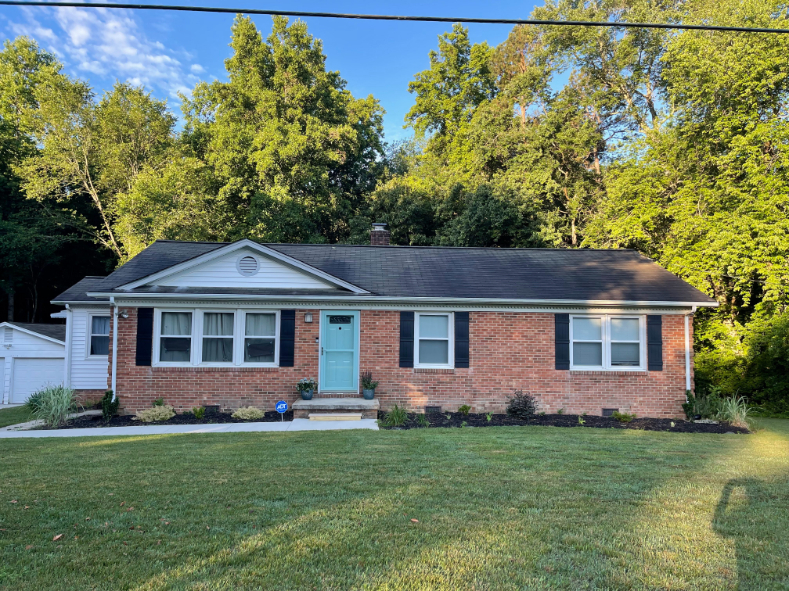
<point>745,516</point>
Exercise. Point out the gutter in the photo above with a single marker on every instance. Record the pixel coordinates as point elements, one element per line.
<point>687,350</point>
<point>403,300</point>
<point>114,345</point>
<point>69,337</point>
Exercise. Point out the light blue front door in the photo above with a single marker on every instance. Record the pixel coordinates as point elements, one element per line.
<point>339,351</point>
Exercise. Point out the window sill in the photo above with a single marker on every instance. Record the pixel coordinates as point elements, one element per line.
<point>203,368</point>
<point>448,370</point>
<point>610,372</point>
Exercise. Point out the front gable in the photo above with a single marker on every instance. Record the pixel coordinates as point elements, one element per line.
<point>244,265</point>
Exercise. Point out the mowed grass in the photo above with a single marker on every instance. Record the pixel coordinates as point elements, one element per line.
<point>15,415</point>
<point>496,508</point>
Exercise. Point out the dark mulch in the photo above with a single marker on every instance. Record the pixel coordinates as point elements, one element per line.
<point>186,418</point>
<point>456,419</point>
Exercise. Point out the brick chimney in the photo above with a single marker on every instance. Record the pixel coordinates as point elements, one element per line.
<point>379,235</point>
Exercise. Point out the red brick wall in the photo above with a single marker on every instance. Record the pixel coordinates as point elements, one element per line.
<point>509,351</point>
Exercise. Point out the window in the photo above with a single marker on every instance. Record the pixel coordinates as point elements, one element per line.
<point>607,342</point>
<point>260,338</point>
<point>175,343</point>
<point>433,340</point>
<point>99,343</point>
<point>218,337</point>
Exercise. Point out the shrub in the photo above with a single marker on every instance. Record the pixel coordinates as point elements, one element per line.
<point>248,413</point>
<point>489,417</point>
<point>521,406</point>
<point>623,417</point>
<point>199,412</point>
<point>54,404</point>
<point>158,402</point>
<point>306,384</point>
<point>395,417</point>
<point>33,403</point>
<point>560,411</point>
<point>367,381</point>
<point>735,410</point>
<point>421,420</point>
<point>155,414</point>
<point>464,410</point>
<point>109,407</point>
<point>704,405</point>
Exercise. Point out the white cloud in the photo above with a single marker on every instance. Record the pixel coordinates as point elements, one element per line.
<point>110,43</point>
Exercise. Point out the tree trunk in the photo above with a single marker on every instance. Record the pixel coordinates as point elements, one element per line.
<point>10,305</point>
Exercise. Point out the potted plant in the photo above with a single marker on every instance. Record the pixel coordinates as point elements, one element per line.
<point>368,386</point>
<point>306,386</point>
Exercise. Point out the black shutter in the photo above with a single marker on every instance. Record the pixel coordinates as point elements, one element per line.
<point>655,343</point>
<point>406,339</point>
<point>562,340</point>
<point>144,337</point>
<point>287,337</point>
<point>461,339</point>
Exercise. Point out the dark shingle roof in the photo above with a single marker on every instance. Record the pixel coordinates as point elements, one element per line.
<point>447,272</point>
<point>53,331</point>
<point>79,291</point>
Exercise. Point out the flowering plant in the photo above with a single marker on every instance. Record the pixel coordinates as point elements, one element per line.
<point>306,384</point>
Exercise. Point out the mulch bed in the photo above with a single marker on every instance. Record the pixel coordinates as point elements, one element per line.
<point>456,419</point>
<point>186,418</point>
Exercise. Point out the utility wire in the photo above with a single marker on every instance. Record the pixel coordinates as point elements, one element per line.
<point>391,17</point>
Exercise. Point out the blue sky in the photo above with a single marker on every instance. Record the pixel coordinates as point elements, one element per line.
<point>169,52</point>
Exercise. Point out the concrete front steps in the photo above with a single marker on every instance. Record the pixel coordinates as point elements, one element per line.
<point>336,409</point>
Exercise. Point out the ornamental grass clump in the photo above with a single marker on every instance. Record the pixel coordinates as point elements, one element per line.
<point>735,411</point>
<point>155,414</point>
<point>395,417</point>
<point>53,405</point>
<point>248,413</point>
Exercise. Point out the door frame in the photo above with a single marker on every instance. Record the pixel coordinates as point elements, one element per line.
<point>356,340</point>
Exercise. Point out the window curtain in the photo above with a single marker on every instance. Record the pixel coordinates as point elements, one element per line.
<point>261,325</point>
<point>176,324</point>
<point>99,335</point>
<point>214,349</point>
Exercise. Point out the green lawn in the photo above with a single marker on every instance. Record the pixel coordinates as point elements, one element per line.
<point>497,508</point>
<point>14,415</point>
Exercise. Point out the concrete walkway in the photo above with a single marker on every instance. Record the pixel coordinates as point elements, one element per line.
<point>294,425</point>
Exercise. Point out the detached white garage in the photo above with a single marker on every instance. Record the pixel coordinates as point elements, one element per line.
<point>32,356</point>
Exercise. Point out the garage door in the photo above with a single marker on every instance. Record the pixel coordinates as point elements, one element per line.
<point>33,374</point>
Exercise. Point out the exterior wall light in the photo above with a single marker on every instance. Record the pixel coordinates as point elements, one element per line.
<point>308,318</point>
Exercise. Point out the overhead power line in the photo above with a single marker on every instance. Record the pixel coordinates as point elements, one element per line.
<point>391,17</point>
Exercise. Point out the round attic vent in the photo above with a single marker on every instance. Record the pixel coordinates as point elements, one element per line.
<point>247,266</point>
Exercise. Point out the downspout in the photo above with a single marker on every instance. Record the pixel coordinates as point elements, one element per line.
<point>687,349</point>
<point>69,340</point>
<point>114,345</point>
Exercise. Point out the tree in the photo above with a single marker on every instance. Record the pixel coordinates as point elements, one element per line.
<point>293,152</point>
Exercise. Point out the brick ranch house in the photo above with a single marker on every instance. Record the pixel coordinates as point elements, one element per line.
<point>238,324</point>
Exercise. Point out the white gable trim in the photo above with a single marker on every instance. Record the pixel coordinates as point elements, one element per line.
<point>263,250</point>
<point>30,332</point>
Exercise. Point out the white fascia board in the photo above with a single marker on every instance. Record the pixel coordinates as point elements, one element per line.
<point>78,303</point>
<point>59,315</point>
<point>245,243</point>
<point>32,333</point>
<point>372,300</point>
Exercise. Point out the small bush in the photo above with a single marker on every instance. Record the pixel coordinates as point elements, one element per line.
<point>367,381</point>
<point>581,420</point>
<point>34,402</point>
<point>54,404</point>
<point>109,407</point>
<point>421,420</point>
<point>489,417</point>
<point>155,414</point>
<point>622,417</point>
<point>248,413</point>
<point>735,410</point>
<point>560,411</point>
<point>199,412</point>
<point>705,406</point>
<point>464,410</point>
<point>395,417</point>
<point>521,406</point>
<point>158,402</point>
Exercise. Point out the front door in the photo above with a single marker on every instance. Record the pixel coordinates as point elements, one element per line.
<point>339,366</point>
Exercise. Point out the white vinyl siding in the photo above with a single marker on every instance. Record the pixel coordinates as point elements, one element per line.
<point>217,338</point>
<point>88,372</point>
<point>434,343</point>
<point>224,272</point>
<point>607,342</point>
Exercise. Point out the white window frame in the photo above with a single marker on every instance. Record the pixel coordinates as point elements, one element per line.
<point>605,329</point>
<point>89,332</point>
<point>450,339</point>
<point>198,359</point>
<point>157,336</point>
<point>241,319</point>
<point>196,350</point>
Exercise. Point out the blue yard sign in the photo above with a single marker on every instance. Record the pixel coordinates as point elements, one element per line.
<point>282,407</point>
